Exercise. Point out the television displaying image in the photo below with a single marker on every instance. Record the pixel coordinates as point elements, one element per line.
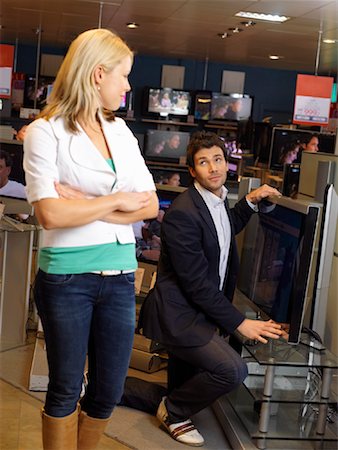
<point>13,176</point>
<point>164,146</point>
<point>126,102</point>
<point>230,106</point>
<point>202,105</point>
<point>43,90</point>
<point>165,101</point>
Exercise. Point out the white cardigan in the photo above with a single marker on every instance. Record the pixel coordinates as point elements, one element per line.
<point>51,153</point>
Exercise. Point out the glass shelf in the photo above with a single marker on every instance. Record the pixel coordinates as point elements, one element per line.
<point>280,353</point>
<point>286,421</point>
<point>286,390</point>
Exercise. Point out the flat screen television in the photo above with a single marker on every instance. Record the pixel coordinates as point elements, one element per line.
<point>126,102</point>
<point>202,108</point>
<point>148,233</point>
<point>278,258</point>
<point>162,102</point>
<point>231,107</point>
<point>11,159</point>
<point>261,145</point>
<point>43,90</point>
<point>165,146</point>
<point>285,140</point>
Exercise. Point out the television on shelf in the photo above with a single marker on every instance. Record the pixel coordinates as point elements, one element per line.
<point>278,262</point>
<point>230,107</point>
<point>164,102</point>
<point>12,156</point>
<point>261,144</point>
<point>202,106</point>
<point>165,146</point>
<point>148,233</point>
<point>44,88</point>
<point>126,102</point>
<point>287,146</point>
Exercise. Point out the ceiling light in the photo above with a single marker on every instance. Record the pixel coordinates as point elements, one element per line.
<point>274,57</point>
<point>132,25</point>
<point>248,23</point>
<point>235,30</point>
<point>259,16</point>
<point>223,35</point>
<point>330,41</point>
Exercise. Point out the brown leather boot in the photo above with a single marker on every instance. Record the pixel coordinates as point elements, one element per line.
<point>60,433</point>
<point>90,431</point>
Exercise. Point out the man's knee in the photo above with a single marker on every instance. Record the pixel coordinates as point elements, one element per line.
<point>232,374</point>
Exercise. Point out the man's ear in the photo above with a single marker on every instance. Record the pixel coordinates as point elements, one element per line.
<point>192,172</point>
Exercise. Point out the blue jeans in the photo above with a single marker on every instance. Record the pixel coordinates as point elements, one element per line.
<point>86,313</point>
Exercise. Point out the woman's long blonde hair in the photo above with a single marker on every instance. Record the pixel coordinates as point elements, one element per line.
<point>74,91</point>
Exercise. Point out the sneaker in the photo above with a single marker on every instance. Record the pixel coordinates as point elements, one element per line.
<point>184,432</point>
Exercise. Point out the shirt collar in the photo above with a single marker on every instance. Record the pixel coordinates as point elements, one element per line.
<point>209,197</point>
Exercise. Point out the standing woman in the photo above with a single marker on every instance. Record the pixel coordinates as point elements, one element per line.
<point>84,289</point>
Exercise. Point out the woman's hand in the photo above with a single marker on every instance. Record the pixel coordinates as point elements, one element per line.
<point>132,201</point>
<point>68,192</point>
<point>256,329</point>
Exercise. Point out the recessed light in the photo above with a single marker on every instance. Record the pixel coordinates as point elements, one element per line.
<point>223,35</point>
<point>330,41</point>
<point>259,16</point>
<point>248,23</point>
<point>235,30</point>
<point>132,25</point>
<point>274,57</point>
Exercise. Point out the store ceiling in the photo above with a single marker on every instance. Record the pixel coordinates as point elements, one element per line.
<point>187,28</point>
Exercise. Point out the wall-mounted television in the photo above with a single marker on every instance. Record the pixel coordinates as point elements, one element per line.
<point>278,262</point>
<point>165,146</point>
<point>162,102</point>
<point>202,107</point>
<point>231,107</point>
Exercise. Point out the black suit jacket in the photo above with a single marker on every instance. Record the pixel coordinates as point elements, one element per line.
<point>186,306</point>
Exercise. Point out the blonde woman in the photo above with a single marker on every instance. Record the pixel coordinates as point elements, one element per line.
<point>84,289</point>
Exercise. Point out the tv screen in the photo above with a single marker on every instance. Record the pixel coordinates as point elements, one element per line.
<point>286,147</point>
<point>11,158</point>
<point>43,90</point>
<point>276,262</point>
<point>202,105</point>
<point>230,106</point>
<point>148,233</point>
<point>126,102</point>
<point>166,146</point>
<point>165,101</point>
<point>261,145</point>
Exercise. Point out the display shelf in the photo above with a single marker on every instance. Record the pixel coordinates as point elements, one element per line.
<point>286,390</point>
<point>287,423</point>
<point>170,122</point>
<point>221,126</point>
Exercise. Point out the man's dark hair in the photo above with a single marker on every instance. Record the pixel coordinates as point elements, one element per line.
<point>203,139</point>
<point>308,137</point>
<point>7,157</point>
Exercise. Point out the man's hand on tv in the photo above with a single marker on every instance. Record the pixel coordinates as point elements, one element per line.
<point>259,330</point>
<point>262,192</point>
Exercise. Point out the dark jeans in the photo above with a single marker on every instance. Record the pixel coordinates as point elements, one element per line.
<point>197,376</point>
<point>86,313</point>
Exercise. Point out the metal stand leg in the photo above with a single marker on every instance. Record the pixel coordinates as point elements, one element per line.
<point>264,416</point>
<point>324,397</point>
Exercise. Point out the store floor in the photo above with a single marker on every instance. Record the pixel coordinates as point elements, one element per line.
<point>20,423</point>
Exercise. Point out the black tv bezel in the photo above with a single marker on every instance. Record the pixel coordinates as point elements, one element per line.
<point>164,159</point>
<point>231,95</point>
<point>157,115</point>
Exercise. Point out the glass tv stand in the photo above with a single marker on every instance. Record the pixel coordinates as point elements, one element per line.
<point>287,396</point>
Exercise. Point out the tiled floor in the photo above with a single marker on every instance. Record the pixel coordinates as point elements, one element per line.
<point>20,423</point>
